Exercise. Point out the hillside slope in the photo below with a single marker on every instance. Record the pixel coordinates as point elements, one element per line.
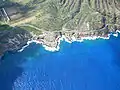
<point>54,18</point>
<point>58,15</point>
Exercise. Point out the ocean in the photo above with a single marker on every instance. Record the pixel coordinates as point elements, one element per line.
<point>89,65</point>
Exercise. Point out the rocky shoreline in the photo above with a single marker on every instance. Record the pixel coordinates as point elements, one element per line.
<point>51,42</point>
<point>69,20</point>
<point>13,40</point>
<point>17,39</point>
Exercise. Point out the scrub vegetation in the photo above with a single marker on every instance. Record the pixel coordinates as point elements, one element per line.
<point>58,15</point>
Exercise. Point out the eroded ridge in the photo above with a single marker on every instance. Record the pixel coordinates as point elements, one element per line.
<point>48,20</point>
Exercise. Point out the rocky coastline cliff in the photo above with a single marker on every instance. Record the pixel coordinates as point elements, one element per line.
<point>13,39</point>
<point>46,21</point>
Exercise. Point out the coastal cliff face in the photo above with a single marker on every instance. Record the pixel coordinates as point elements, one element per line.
<point>48,20</point>
<point>13,39</point>
<point>76,18</point>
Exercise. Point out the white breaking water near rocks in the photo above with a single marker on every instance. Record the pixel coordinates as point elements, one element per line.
<point>53,49</point>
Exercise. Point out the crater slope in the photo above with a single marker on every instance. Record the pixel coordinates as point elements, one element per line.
<point>47,20</point>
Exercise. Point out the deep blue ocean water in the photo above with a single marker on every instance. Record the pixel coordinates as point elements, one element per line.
<point>90,65</point>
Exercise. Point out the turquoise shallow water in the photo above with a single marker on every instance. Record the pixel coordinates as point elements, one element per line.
<point>90,65</point>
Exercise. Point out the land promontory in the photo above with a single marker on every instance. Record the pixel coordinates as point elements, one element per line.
<point>48,20</point>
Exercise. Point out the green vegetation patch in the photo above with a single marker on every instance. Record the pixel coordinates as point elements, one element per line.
<point>30,29</point>
<point>5,27</point>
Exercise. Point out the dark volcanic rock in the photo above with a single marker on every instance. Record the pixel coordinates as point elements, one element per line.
<point>13,40</point>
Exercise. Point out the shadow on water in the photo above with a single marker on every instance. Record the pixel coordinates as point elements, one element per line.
<point>10,68</point>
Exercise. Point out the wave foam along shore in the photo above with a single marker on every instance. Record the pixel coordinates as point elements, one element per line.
<point>53,49</point>
<point>28,43</point>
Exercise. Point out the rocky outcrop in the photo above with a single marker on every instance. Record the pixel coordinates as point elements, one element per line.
<point>51,19</point>
<point>13,39</point>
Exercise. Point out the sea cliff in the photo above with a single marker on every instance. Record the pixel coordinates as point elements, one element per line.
<point>13,39</point>
<point>49,21</point>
